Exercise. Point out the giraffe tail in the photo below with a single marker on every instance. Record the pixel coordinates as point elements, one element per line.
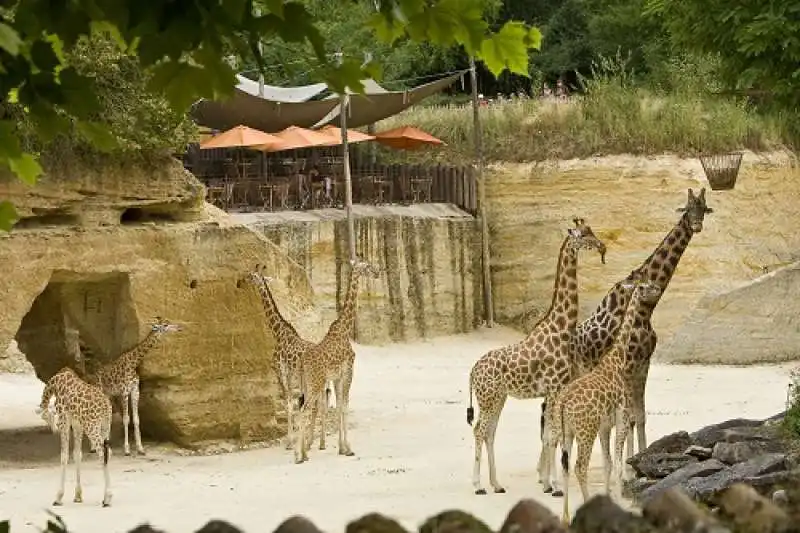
<point>564,450</point>
<point>106,450</point>
<point>470,409</point>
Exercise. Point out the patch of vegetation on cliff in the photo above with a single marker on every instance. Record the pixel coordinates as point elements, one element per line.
<point>143,125</point>
<point>791,422</point>
<point>679,111</point>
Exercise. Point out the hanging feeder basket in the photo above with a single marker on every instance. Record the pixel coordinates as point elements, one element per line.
<point>721,169</point>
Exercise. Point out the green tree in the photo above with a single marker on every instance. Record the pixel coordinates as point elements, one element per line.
<point>758,42</point>
<point>183,46</point>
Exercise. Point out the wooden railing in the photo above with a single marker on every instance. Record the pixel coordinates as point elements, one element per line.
<point>254,189</point>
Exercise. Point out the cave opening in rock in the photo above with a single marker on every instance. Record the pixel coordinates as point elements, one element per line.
<point>42,218</point>
<point>97,305</point>
<point>138,215</point>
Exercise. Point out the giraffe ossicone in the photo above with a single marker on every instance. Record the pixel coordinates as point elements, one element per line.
<point>536,366</point>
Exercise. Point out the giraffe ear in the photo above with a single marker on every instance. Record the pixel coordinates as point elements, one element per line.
<point>709,209</point>
<point>680,209</point>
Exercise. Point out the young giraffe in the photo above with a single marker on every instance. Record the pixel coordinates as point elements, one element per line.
<point>584,407</point>
<point>82,409</point>
<point>289,348</point>
<point>595,335</point>
<point>120,378</point>
<point>332,359</point>
<point>536,366</point>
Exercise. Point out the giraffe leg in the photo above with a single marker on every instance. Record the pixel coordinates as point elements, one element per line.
<point>64,433</point>
<point>137,433</point>
<point>103,453</point>
<point>639,413</point>
<point>623,430</point>
<point>479,431</point>
<point>125,422</point>
<point>286,386</point>
<point>343,404</point>
<point>313,424</point>
<point>582,465</point>
<point>323,417</point>
<point>549,453</point>
<point>605,446</point>
<point>492,429</point>
<point>315,389</point>
<point>566,449</point>
<point>77,456</point>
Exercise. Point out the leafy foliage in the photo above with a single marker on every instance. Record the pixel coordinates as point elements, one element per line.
<point>758,43</point>
<point>183,47</point>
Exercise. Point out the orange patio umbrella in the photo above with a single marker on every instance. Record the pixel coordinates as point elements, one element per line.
<point>407,138</point>
<point>240,137</point>
<point>295,137</point>
<point>353,136</point>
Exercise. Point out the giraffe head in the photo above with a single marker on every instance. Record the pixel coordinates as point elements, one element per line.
<point>161,325</point>
<point>644,290</point>
<point>582,237</point>
<point>696,209</point>
<point>255,277</point>
<point>361,268</point>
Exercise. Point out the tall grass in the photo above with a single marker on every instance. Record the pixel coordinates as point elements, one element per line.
<point>611,116</point>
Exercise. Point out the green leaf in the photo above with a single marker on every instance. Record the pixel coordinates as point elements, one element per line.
<point>506,49</point>
<point>386,29</point>
<point>48,122</point>
<point>181,83</point>
<point>26,167</point>
<point>9,143</point>
<point>97,134</point>
<point>275,7</point>
<point>8,217</point>
<point>9,39</point>
<point>43,56</point>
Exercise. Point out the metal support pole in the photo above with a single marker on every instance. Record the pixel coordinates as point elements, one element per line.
<point>486,263</point>
<point>344,104</point>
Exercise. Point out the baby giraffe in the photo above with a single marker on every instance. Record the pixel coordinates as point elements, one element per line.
<point>584,407</point>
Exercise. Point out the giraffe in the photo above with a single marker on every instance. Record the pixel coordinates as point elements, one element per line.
<point>332,359</point>
<point>81,408</point>
<point>289,347</point>
<point>535,366</point>
<point>595,335</point>
<point>585,406</point>
<point>120,378</point>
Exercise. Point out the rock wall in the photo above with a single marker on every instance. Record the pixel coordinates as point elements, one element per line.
<point>213,380</point>
<point>757,322</point>
<point>429,256</point>
<point>630,202</point>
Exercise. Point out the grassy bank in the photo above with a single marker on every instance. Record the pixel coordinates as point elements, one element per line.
<point>610,118</point>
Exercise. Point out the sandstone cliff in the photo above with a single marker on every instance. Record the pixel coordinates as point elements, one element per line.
<point>630,202</point>
<point>70,264</point>
<point>757,322</point>
<point>429,257</point>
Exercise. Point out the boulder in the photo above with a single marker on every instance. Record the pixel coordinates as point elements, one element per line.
<point>673,510</point>
<point>738,452</point>
<point>659,465</point>
<point>370,523</point>
<point>707,487</point>
<point>729,431</point>
<point>632,488</point>
<point>696,470</point>
<point>601,515</point>
<point>529,516</point>
<point>220,526</point>
<point>454,521</point>
<point>699,452</point>
<point>750,512</point>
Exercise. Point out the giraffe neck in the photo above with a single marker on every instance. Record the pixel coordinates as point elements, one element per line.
<point>620,348</point>
<point>134,356</point>
<point>345,322</point>
<point>565,290</point>
<point>662,263</point>
<point>279,326</point>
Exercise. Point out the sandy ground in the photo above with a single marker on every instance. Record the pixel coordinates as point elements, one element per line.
<point>408,428</point>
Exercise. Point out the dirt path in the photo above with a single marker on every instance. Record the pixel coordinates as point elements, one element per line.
<point>413,446</point>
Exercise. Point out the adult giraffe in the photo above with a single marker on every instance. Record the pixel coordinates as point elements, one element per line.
<point>596,334</point>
